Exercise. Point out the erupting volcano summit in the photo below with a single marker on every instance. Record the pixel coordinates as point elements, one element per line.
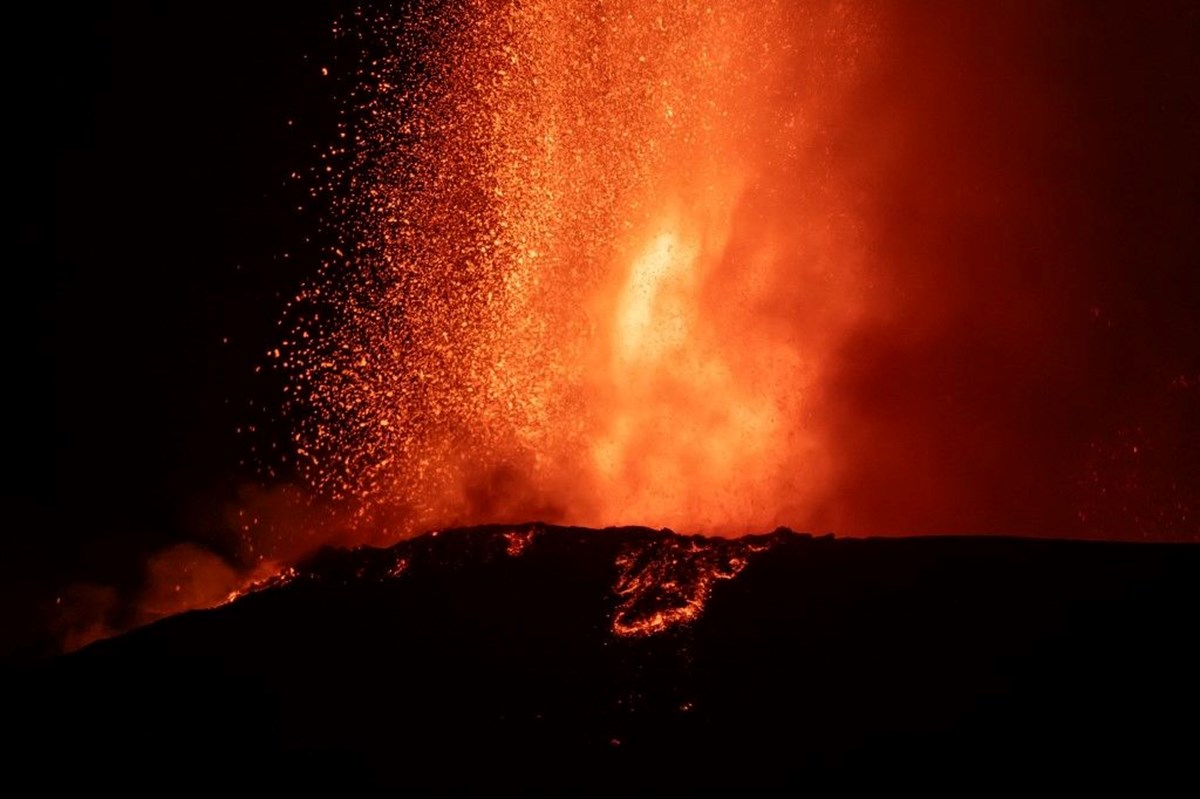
<point>534,328</point>
<point>594,259</point>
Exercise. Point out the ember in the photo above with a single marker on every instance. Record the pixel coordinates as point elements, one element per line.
<point>559,293</point>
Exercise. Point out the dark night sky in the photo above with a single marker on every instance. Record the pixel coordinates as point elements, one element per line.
<point>151,154</point>
<point>152,219</point>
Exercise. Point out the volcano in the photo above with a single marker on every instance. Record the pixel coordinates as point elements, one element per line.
<point>537,655</point>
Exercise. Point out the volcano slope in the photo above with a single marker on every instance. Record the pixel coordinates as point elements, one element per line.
<point>537,655</point>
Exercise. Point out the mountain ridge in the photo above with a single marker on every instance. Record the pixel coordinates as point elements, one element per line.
<point>565,656</point>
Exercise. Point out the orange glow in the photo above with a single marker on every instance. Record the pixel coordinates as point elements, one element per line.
<point>274,580</point>
<point>874,268</point>
<point>665,583</point>
<point>578,252</point>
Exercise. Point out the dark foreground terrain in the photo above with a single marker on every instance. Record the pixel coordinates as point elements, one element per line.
<point>552,656</point>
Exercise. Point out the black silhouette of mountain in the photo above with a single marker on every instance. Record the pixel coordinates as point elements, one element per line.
<point>564,657</point>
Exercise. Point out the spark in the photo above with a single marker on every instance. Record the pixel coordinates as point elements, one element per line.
<point>556,257</point>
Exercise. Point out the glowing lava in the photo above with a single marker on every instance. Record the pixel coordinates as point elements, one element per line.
<point>665,582</point>
<point>594,258</point>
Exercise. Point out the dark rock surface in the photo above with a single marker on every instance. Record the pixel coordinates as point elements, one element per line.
<point>560,656</point>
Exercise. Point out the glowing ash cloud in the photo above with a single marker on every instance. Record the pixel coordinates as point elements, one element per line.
<point>596,258</point>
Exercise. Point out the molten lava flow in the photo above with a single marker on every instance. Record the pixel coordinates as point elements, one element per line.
<point>277,580</point>
<point>665,582</point>
<point>595,257</point>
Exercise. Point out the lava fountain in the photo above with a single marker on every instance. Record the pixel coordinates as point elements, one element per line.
<point>594,257</point>
<point>728,266</point>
